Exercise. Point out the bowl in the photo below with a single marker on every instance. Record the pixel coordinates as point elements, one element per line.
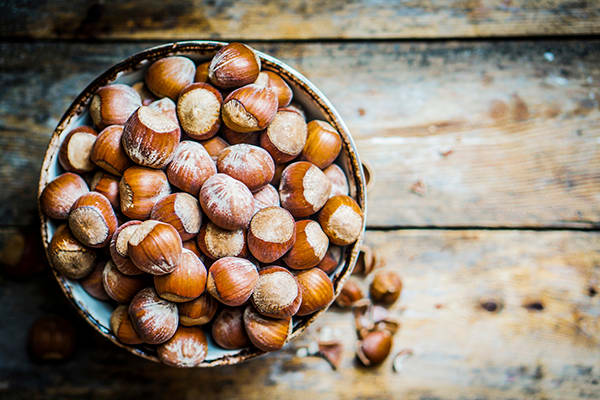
<point>97,313</point>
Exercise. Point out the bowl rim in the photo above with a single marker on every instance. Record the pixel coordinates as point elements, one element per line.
<point>203,47</point>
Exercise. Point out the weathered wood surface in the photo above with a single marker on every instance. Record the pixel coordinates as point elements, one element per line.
<point>498,134</point>
<point>297,19</point>
<point>460,350</point>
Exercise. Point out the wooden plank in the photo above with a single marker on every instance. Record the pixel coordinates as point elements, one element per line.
<point>459,350</point>
<point>459,134</point>
<point>299,19</point>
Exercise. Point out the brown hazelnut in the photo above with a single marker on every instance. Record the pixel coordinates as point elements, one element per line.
<point>251,165</point>
<point>187,348</point>
<point>268,334</point>
<point>108,153</point>
<point>233,66</point>
<point>374,348</point>
<point>139,189</point>
<point>150,137</point>
<point>113,104</point>
<point>108,186</point>
<point>155,320</point>
<point>266,196</point>
<point>367,261</point>
<point>214,146</point>
<point>118,248</point>
<point>68,256</point>
<point>271,234</point>
<point>60,194</point>
<point>350,293</point>
<point>228,329</point>
<point>168,76</point>
<point>323,144</point>
<point>199,110</point>
<point>342,220</point>
<point>121,326</point>
<point>285,137</point>
<point>202,72</point>
<point>231,280</point>
<point>331,259</point>
<point>92,283</point>
<point>215,242</point>
<point>385,287</point>
<point>310,246</point>
<point>119,287</point>
<point>303,189</point>
<point>191,167</point>
<point>337,177</point>
<point>155,247</point>
<point>75,150</point>
<point>279,86</point>
<point>92,220</point>
<point>186,282</point>
<point>227,202</point>
<point>167,107</point>
<point>199,311</point>
<point>180,210</point>
<point>233,137</point>
<point>276,294</point>
<point>142,90</point>
<point>250,108</point>
<point>22,253</point>
<point>51,338</point>
<point>317,290</point>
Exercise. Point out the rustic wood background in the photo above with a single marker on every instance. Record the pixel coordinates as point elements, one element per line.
<point>481,120</point>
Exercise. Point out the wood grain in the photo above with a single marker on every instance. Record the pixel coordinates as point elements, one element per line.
<point>498,134</point>
<point>459,350</point>
<point>296,19</point>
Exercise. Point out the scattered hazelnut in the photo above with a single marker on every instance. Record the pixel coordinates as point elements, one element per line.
<point>191,167</point>
<point>168,76</point>
<point>155,247</point>
<point>186,282</point>
<point>68,256</point>
<point>167,107</point>
<point>51,338</point>
<point>385,287</point>
<point>276,294</point>
<point>144,93</point>
<point>60,194</point>
<point>234,65</point>
<point>251,165</point>
<point>202,72</point>
<point>139,189</point>
<point>108,186</point>
<point>108,153</point>
<point>92,220</point>
<point>231,280</point>
<point>155,320</point>
<point>266,196</point>
<point>113,104</point>
<point>187,348</point>
<point>367,261</point>
<point>285,137</point>
<point>214,146</point>
<point>92,283</point>
<point>342,220</point>
<point>303,189</point>
<point>233,137</point>
<point>317,290</point>
<point>271,234</point>
<point>199,311</point>
<point>331,259</point>
<point>268,334</point>
<point>75,150</point>
<point>120,287</point>
<point>215,242</point>
<point>339,182</point>
<point>374,348</point>
<point>180,210</point>
<point>250,108</point>
<point>310,246</point>
<point>323,144</point>
<point>228,329</point>
<point>118,248</point>
<point>199,109</point>
<point>279,86</point>
<point>121,326</point>
<point>350,293</point>
<point>227,202</point>
<point>21,253</point>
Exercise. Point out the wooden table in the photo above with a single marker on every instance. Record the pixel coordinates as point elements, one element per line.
<point>481,120</point>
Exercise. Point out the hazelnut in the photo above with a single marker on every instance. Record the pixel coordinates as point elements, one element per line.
<point>60,194</point>
<point>139,189</point>
<point>168,76</point>
<point>350,293</point>
<point>310,246</point>
<point>233,137</point>
<point>92,220</point>
<point>250,108</point>
<point>150,137</point>
<point>144,93</point>
<point>187,348</point>
<point>155,320</point>
<point>231,280</point>
<point>167,107</point>
<point>339,182</point>
<point>228,329</point>
<point>214,146</point>
<point>266,196</point>
<point>92,283</point>
<point>317,290</point>
<point>285,137</point>
<point>202,72</point>
<point>199,311</point>
<point>367,261</point>
<point>51,338</point>
<point>216,243</point>
<point>234,65</point>
<point>271,234</point>
<point>21,253</point>
<point>113,104</point>
<point>68,256</point>
<point>119,287</point>
<point>342,220</point>
<point>227,202</point>
<point>155,247</point>
<point>323,144</point>
<point>385,287</point>
<point>331,260</point>
<point>193,247</point>
<point>199,110</point>
<point>279,86</point>
<point>191,167</point>
<point>251,165</point>
<point>75,150</point>
<point>180,210</point>
<point>303,189</point>
<point>118,248</point>
<point>186,282</point>
<point>108,153</point>
<point>108,186</point>
<point>268,334</point>
<point>276,294</point>
<point>121,326</point>
<point>374,348</point>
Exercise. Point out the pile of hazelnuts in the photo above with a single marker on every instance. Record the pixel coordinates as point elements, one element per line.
<point>201,195</point>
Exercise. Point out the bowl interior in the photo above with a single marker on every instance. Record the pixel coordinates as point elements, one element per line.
<point>130,71</point>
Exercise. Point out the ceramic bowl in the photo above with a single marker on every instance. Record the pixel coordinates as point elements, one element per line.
<point>97,313</point>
